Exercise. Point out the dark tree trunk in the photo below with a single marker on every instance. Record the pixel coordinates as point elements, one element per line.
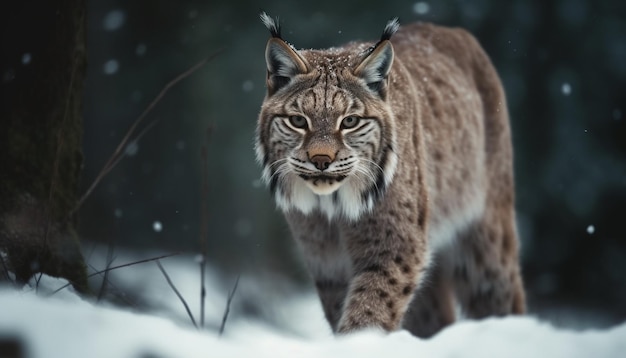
<point>42,67</point>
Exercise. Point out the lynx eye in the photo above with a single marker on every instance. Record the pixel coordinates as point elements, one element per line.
<point>350,122</point>
<point>298,121</point>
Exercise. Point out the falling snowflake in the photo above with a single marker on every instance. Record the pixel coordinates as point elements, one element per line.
<point>247,86</point>
<point>421,8</point>
<point>257,183</point>
<point>132,148</point>
<point>157,226</point>
<point>114,20</point>
<point>26,58</point>
<point>136,96</point>
<point>566,89</point>
<point>243,227</point>
<point>591,229</point>
<point>111,66</point>
<point>141,49</point>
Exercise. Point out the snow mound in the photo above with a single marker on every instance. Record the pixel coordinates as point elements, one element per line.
<point>68,326</point>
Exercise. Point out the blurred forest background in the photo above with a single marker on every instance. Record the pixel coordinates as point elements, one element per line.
<point>563,64</point>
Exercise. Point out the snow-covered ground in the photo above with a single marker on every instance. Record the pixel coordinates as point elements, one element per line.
<point>65,325</point>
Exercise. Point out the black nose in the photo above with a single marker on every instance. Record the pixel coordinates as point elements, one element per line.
<point>321,161</point>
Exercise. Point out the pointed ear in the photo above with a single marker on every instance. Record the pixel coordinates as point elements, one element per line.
<point>283,63</point>
<point>375,68</point>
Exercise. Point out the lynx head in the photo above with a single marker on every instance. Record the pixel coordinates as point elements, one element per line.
<point>326,134</point>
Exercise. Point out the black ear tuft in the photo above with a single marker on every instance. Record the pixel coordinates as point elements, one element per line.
<point>376,64</point>
<point>375,68</point>
<point>283,64</point>
<point>391,28</point>
<point>272,24</point>
<point>282,59</point>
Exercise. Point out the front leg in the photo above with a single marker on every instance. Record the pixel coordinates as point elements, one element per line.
<point>388,253</point>
<point>326,258</point>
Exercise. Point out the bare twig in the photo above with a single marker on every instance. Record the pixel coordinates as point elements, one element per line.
<point>105,280</point>
<point>204,220</point>
<point>37,281</point>
<point>55,171</point>
<point>126,300</point>
<point>134,263</point>
<point>120,150</point>
<point>180,297</point>
<point>5,268</point>
<point>118,267</point>
<point>228,302</point>
<point>202,290</point>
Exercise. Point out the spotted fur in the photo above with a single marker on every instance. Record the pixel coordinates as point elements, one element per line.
<point>392,163</point>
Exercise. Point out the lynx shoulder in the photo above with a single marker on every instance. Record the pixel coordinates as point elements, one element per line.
<point>392,163</point>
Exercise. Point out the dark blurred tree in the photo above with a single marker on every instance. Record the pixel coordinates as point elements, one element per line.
<point>43,67</point>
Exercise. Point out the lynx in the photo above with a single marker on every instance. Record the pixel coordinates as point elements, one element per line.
<point>392,163</point>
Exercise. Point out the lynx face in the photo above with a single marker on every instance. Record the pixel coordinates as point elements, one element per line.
<point>325,134</point>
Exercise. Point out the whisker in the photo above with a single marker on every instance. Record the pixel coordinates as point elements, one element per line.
<point>360,179</point>
<point>280,171</point>
<point>371,178</point>
<point>374,163</point>
<point>272,164</point>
